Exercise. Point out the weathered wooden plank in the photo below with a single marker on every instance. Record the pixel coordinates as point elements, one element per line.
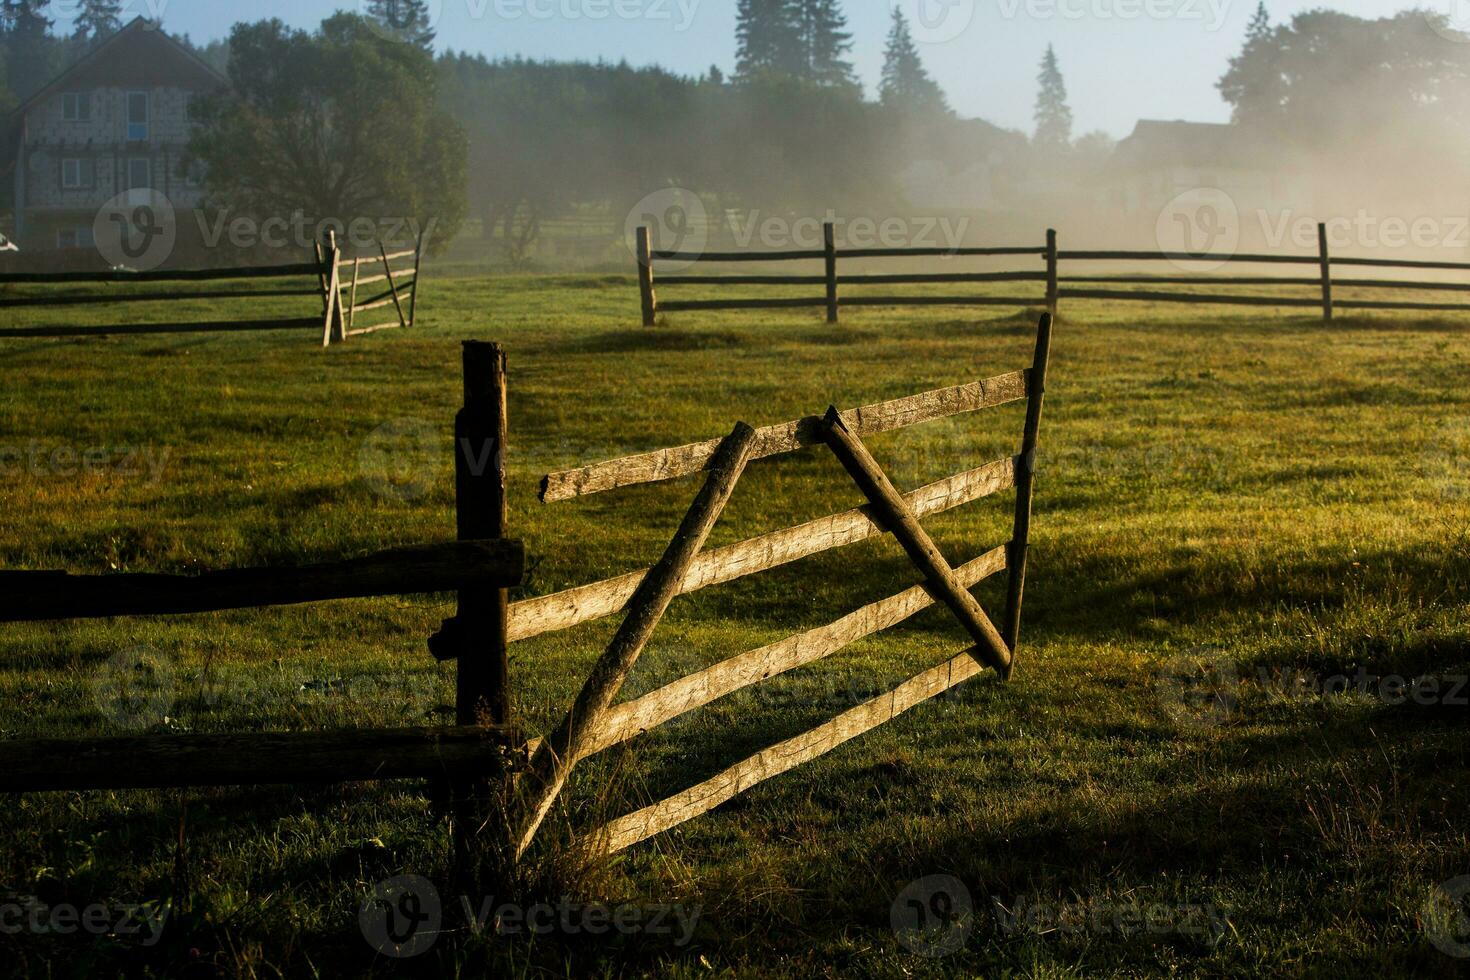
<point>560,610</point>
<point>391,325</point>
<point>631,718</point>
<point>773,440</point>
<point>205,326</point>
<point>687,305</point>
<point>389,257</point>
<point>943,300</point>
<point>907,277</point>
<point>783,756</point>
<point>904,524</point>
<point>560,751</point>
<point>1154,296</point>
<point>1072,256</point>
<point>785,256</point>
<point>1025,485</point>
<point>175,275</point>
<point>28,596</point>
<point>909,253</point>
<point>742,280</point>
<point>71,299</point>
<point>163,761</point>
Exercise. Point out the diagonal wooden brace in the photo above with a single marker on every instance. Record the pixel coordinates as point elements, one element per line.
<point>869,476</point>
<point>554,759</point>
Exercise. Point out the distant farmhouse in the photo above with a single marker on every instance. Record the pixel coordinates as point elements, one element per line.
<point>115,121</point>
<point>1161,160</point>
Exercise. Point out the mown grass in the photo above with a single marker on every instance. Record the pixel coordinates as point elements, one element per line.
<point>1256,491</point>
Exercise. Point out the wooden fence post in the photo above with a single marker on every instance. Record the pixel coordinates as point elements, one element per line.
<point>352,296</point>
<point>413,295</point>
<point>1326,259</point>
<point>1052,287</point>
<point>332,328</point>
<point>645,277</point>
<point>1025,484</point>
<point>392,286</point>
<point>829,245</point>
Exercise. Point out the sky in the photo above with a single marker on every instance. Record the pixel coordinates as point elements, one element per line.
<point>1123,60</point>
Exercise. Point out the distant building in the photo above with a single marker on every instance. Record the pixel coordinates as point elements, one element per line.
<point>1161,160</point>
<point>116,121</point>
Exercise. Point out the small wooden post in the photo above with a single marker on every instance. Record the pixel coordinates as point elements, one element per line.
<point>352,298</point>
<point>332,328</point>
<point>829,245</point>
<point>482,691</point>
<point>392,286</point>
<point>321,274</point>
<point>1326,271</point>
<point>1025,484</point>
<point>645,277</point>
<point>413,296</point>
<point>1052,285</point>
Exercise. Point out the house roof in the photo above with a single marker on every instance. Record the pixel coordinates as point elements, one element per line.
<point>1163,143</point>
<point>141,54</point>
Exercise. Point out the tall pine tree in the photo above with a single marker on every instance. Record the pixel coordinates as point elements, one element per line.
<point>407,20</point>
<point>1253,83</point>
<point>825,40</point>
<point>26,32</point>
<point>906,85</point>
<point>1053,117</point>
<point>768,39</point>
<point>96,20</point>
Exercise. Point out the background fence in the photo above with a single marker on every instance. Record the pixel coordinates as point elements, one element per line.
<point>327,278</point>
<point>1057,286</point>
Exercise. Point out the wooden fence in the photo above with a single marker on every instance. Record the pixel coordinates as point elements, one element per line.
<point>1057,286</point>
<point>596,721</point>
<point>323,278</point>
<point>481,565</point>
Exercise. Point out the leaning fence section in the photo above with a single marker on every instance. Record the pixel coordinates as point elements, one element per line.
<point>369,282</point>
<point>1315,291</point>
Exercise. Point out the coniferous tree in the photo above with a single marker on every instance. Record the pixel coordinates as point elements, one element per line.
<point>407,20</point>
<point>1253,83</point>
<point>1053,117</point>
<point>96,20</point>
<point>768,39</point>
<point>26,32</point>
<point>906,85</point>
<point>825,40</point>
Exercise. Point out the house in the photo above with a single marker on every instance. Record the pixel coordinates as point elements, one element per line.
<point>1162,160</point>
<point>116,121</point>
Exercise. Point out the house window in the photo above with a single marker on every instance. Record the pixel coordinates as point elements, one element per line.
<point>140,174</point>
<point>137,116</point>
<point>79,237</point>
<point>76,107</point>
<point>74,172</point>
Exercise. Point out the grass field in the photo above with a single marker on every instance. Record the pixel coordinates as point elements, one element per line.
<point>1282,500</point>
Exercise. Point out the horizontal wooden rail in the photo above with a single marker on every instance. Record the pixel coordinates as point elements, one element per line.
<point>943,300</point>
<point>390,325</point>
<point>406,274</point>
<point>167,761</point>
<point>1363,304</point>
<point>773,440</point>
<point>373,304</point>
<point>785,256</point>
<point>1188,257</point>
<point>365,259</point>
<point>784,756</point>
<point>741,280</point>
<point>1452,287</point>
<point>902,253</point>
<point>176,275</point>
<point>583,603</point>
<point>686,305</point>
<point>1148,295</point>
<point>901,277</point>
<point>74,300</point>
<point>204,326</point>
<point>643,714</point>
<point>1401,263</point>
<point>1165,280</point>
<point>28,596</point>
